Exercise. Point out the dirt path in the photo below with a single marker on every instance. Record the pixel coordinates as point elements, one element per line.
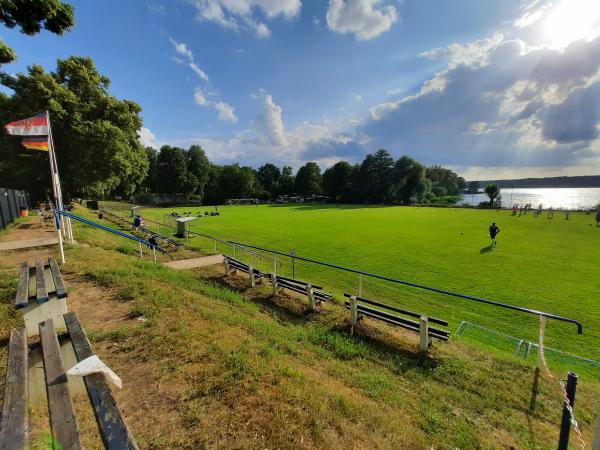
<point>192,263</point>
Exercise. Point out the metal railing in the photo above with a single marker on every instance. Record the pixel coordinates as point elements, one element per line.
<point>108,229</point>
<point>418,286</point>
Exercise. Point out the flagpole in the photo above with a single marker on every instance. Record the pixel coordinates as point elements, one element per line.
<point>67,229</point>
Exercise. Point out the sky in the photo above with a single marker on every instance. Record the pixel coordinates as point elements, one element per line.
<point>492,89</point>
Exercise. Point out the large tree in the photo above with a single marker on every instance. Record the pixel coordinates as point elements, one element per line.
<point>375,173</point>
<point>338,181</point>
<point>199,166</point>
<point>269,175</point>
<point>172,175</point>
<point>31,16</point>
<point>408,181</point>
<point>95,134</point>
<point>444,181</point>
<point>493,192</point>
<point>308,179</point>
<point>286,181</point>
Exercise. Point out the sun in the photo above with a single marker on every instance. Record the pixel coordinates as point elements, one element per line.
<point>572,20</point>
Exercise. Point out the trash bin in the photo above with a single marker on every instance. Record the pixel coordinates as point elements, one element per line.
<point>100,215</point>
<point>24,211</point>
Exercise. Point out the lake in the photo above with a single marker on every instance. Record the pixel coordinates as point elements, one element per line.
<point>557,198</point>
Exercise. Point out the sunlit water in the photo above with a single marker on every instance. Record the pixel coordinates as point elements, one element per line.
<point>557,198</point>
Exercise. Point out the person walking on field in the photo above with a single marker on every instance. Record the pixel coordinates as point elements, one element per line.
<point>598,219</point>
<point>494,230</point>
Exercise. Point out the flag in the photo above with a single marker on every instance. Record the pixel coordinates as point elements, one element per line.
<point>36,143</point>
<point>34,126</point>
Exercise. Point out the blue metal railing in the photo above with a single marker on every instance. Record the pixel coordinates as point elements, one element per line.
<point>421,286</point>
<point>131,237</point>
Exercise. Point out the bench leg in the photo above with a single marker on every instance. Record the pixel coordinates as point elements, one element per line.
<point>311,297</point>
<point>251,273</point>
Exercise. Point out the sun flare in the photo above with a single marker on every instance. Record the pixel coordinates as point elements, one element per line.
<point>573,20</point>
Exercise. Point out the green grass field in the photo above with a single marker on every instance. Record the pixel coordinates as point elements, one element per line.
<point>551,265</point>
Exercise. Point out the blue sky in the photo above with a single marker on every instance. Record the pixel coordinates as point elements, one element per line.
<point>491,89</point>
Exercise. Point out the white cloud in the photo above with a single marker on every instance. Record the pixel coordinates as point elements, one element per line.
<point>198,71</point>
<point>147,137</point>
<point>532,13</point>
<point>182,49</point>
<point>395,91</point>
<point>366,19</point>
<point>269,122</point>
<point>240,14</point>
<point>473,53</point>
<point>226,112</point>
<point>200,97</point>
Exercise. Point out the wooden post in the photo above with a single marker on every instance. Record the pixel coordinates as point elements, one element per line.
<point>311,297</point>
<point>251,272</point>
<point>353,311</point>
<point>424,335</point>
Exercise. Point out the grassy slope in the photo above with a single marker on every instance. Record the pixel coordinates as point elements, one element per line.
<point>237,369</point>
<point>539,263</point>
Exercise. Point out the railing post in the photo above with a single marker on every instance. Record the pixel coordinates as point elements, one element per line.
<point>540,359</point>
<point>353,311</point>
<point>154,253</point>
<point>252,281</point>
<point>234,250</point>
<point>227,269</point>
<point>215,245</point>
<point>141,251</point>
<point>424,339</point>
<point>274,275</point>
<point>57,222</point>
<point>565,425</point>
<point>311,296</point>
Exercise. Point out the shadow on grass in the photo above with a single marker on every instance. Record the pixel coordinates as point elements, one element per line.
<point>487,249</point>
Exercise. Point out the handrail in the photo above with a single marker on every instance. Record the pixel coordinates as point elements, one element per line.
<point>58,212</point>
<point>421,286</point>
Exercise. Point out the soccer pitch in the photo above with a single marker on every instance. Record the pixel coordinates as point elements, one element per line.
<point>540,263</point>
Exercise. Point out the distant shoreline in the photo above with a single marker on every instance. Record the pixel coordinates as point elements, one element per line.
<point>584,181</point>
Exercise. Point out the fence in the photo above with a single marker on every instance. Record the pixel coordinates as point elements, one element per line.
<point>11,202</point>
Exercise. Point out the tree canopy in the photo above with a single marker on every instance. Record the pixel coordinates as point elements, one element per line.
<point>95,134</point>
<point>31,16</point>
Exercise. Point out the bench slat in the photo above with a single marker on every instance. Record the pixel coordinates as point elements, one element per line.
<point>22,298</point>
<point>61,290</point>
<point>405,323</point>
<point>40,283</point>
<point>62,416</point>
<point>113,429</point>
<point>402,311</point>
<point>14,431</point>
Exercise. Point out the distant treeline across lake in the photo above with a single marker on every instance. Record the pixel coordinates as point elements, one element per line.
<point>557,198</point>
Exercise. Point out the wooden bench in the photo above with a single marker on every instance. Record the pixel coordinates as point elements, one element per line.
<point>41,294</point>
<point>358,308</point>
<point>14,421</point>
<point>313,292</point>
<point>233,265</point>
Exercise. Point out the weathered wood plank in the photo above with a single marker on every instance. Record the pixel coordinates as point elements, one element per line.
<point>61,290</point>
<point>40,283</point>
<point>113,429</point>
<point>62,416</point>
<point>14,432</point>
<point>22,298</point>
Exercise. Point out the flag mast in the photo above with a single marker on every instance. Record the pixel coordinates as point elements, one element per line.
<point>56,181</point>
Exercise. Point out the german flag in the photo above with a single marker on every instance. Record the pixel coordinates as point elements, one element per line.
<point>36,143</point>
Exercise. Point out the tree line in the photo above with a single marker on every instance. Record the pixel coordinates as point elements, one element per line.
<point>377,179</point>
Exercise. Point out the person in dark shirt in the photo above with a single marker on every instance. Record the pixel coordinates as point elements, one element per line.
<point>494,230</point>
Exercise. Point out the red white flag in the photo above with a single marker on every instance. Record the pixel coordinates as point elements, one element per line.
<point>34,126</point>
